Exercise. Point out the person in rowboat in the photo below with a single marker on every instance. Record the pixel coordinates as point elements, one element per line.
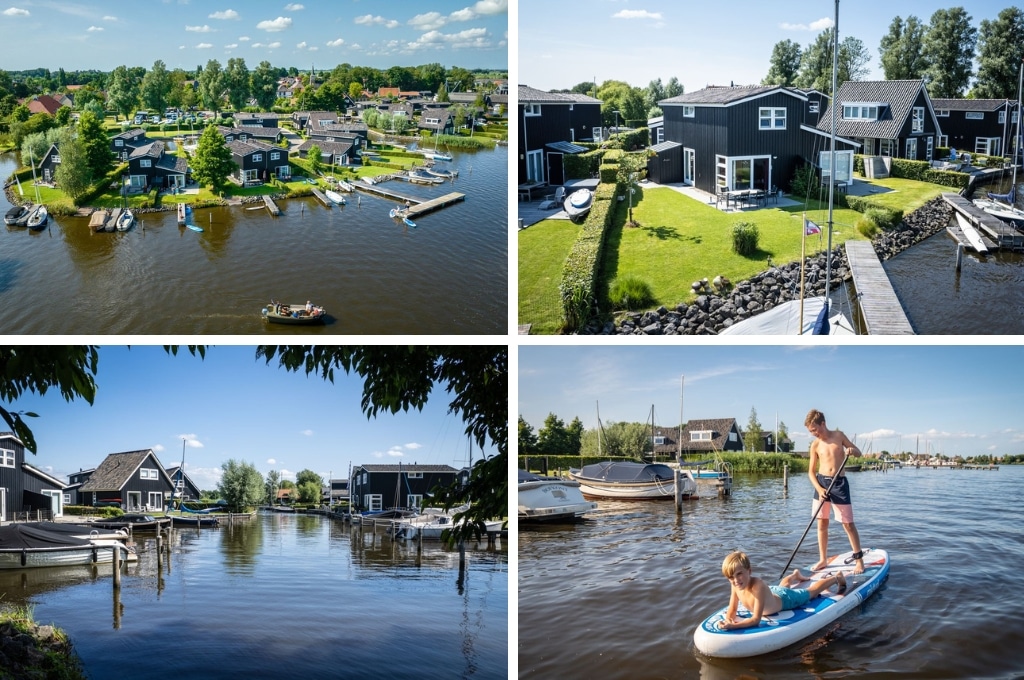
<point>761,599</point>
<point>828,451</point>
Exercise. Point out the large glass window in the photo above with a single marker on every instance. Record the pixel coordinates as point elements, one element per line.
<point>771,118</point>
<point>6,458</point>
<point>917,125</point>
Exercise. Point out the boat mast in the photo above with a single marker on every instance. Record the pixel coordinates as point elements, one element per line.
<point>679,455</point>
<point>832,151</point>
<point>598,407</point>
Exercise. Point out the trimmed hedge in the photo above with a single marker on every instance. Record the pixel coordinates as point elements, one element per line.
<point>580,274</point>
<point>582,165</point>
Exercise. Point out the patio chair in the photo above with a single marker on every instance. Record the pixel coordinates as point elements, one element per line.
<point>553,200</point>
<point>722,195</point>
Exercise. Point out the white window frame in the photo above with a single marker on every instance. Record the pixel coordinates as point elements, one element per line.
<point>917,120</point>
<point>689,165</point>
<point>156,499</point>
<point>414,475</point>
<point>911,143</point>
<point>145,163</point>
<point>974,115</point>
<point>257,158</point>
<point>251,175</point>
<point>861,110</point>
<point>929,148</point>
<point>275,155</point>
<point>989,146</point>
<point>813,107</point>
<point>1002,116</point>
<point>844,165</point>
<point>944,140</point>
<point>535,165</point>
<point>148,473</point>
<point>942,113</point>
<point>689,111</point>
<point>701,435</point>
<point>7,458</point>
<point>373,502</point>
<point>531,109</point>
<point>118,142</point>
<point>658,440</point>
<point>414,500</point>
<point>771,118</point>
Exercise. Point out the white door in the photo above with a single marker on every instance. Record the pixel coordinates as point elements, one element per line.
<point>134,500</point>
<point>56,502</point>
<point>535,166</point>
<point>156,500</point>
<point>3,504</point>
<point>689,165</point>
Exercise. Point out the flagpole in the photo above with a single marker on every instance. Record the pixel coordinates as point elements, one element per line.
<point>803,249</point>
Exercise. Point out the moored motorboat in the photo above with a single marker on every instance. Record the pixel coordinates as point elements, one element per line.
<point>16,213</point>
<point>37,220</point>
<point>1003,211</point>
<point>631,481</point>
<point>577,204</point>
<point>277,312</point>
<point>335,197</point>
<point>431,525</point>
<point>200,521</point>
<point>547,499</point>
<point>125,220</point>
<point>24,546</point>
<point>137,521</point>
<point>345,186</point>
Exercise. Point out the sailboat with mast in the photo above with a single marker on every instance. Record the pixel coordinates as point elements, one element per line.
<point>808,315</point>
<point>1004,206</point>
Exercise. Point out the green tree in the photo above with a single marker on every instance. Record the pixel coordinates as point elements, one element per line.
<point>753,432</point>
<point>38,368</point>
<point>73,175</point>
<point>442,93</point>
<point>674,88</point>
<point>782,434</point>
<point>1000,52</point>
<point>527,438</point>
<point>310,493</point>
<point>236,80</point>
<point>629,440</point>
<point>156,86</point>
<point>212,161</point>
<point>355,91</point>
<point>122,91</point>
<point>949,49</point>
<point>315,157</point>
<point>272,484</point>
<point>784,64</point>
<point>632,167</point>
<point>62,117</point>
<point>263,84</point>
<point>902,50</point>
<point>241,485</point>
<point>654,93</point>
<point>94,139</point>
<point>211,85</point>
<point>308,476</point>
<point>816,62</point>
<point>399,378</point>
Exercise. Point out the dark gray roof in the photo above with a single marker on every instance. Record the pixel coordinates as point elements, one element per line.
<point>117,468</point>
<point>408,468</point>
<point>173,164</point>
<point>566,147</point>
<point>970,104</point>
<point>334,148</point>
<point>529,95</point>
<point>252,146</point>
<point>719,426</point>
<point>153,149</point>
<point>716,95</point>
<point>897,95</point>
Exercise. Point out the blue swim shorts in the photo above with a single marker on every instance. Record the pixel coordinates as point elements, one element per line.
<point>792,597</point>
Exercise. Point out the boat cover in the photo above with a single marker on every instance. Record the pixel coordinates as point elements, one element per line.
<point>19,536</point>
<point>615,471</point>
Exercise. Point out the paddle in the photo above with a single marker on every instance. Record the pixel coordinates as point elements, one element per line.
<point>815,515</point>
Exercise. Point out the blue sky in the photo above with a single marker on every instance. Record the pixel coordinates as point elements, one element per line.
<point>185,33</point>
<point>701,43</point>
<point>960,400</point>
<point>228,405</point>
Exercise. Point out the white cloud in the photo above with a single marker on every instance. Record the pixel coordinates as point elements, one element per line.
<point>462,15</point>
<point>275,25</point>
<point>226,14</point>
<point>271,461</point>
<point>274,45</point>
<point>396,452</point>
<point>93,29</point>
<point>308,433</point>
<point>336,43</point>
<point>816,26</point>
<point>314,48</point>
<point>110,18</point>
<point>16,12</point>
<point>158,448</point>
<point>491,7</point>
<point>199,29</point>
<point>301,45</point>
<point>428,21</point>
<point>294,7</point>
<point>413,446</point>
<point>636,14</point>
<point>271,46</point>
<point>470,38</point>
<point>368,19</point>
<point>191,440</point>
<point>244,38</point>
<point>231,46</point>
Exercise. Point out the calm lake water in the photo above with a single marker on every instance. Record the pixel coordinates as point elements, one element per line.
<point>620,595</point>
<point>284,596</point>
<point>985,298</point>
<point>373,275</point>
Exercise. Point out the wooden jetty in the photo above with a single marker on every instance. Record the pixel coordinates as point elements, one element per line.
<point>436,203</point>
<point>377,190</point>
<point>271,206</point>
<point>999,231</point>
<point>322,198</point>
<point>880,308</point>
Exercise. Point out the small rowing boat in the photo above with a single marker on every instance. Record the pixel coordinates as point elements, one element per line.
<point>295,314</point>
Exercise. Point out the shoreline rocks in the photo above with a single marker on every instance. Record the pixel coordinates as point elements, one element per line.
<point>710,312</point>
<point>41,652</point>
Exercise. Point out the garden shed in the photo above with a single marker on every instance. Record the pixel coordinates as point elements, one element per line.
<point>666,165</point>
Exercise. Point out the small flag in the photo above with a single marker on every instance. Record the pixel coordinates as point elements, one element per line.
<point>811,227</point>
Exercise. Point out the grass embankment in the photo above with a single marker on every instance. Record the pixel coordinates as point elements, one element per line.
<point>49,655</point>
<point>681,240</point>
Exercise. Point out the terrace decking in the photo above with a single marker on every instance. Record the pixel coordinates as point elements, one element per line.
<point>880,308</point>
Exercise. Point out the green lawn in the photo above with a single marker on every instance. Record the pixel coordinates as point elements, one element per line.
<point>543,248</point>
<point>681,240</point>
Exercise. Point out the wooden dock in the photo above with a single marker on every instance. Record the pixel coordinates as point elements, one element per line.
<point>385,193</point>
<point>999,231</point>
<point>271,206</point>
<point>880,308</point>
<point>436,203</point>
<point>965,233</point>
<point>322,198</point>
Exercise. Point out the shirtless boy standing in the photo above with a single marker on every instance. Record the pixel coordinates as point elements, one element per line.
<point>828,451</point>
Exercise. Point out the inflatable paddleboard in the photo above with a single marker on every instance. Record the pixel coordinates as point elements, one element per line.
<point>789,626</point>
<point>194,227</point>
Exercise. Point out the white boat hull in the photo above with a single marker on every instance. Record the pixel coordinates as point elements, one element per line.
<point>552,501</point>
<point>98,553</point>
<point>659,490</point>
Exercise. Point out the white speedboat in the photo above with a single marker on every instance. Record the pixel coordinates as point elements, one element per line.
<point>547,499</point>
<point>632,481</point>
<point>24,546</point>
<point>335,197</point>
<point>37,220</point>
<point>431,525</point>
<point>1003,211</point>
<point>125,220</point>
<point>577,204</point>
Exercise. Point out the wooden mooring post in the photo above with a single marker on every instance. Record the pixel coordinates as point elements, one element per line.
<point>785,478</point>
<point>679,489</point>
<point>959,255</point>
<point>117,564</point>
